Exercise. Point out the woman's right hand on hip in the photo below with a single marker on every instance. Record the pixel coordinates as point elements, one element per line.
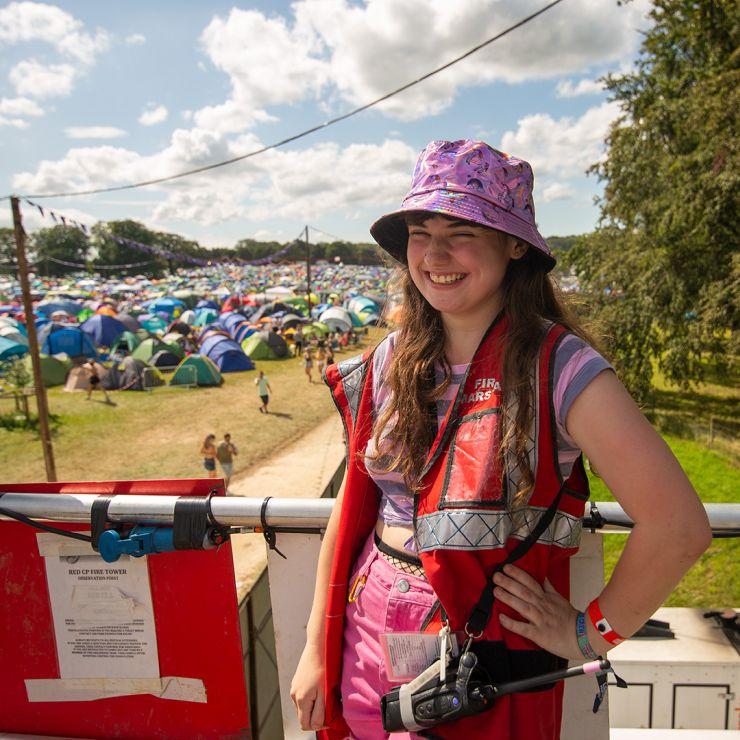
<point>307,689</point>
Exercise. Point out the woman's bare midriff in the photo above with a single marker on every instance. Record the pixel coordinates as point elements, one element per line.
<point>395,537</point>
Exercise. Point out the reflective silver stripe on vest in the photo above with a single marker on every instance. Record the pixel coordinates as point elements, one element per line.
<point>353,371</point>
<point>468,529</point>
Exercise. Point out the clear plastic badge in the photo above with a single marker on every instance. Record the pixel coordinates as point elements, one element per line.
<point>407,654</point>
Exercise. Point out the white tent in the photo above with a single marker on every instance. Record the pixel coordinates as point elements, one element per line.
<point>12,333</point>
<point>337,318</point>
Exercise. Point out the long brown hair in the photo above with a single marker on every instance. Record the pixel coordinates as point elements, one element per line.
<point>530,298</point>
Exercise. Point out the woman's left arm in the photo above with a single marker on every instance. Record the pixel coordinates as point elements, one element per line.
<point>671,529</point>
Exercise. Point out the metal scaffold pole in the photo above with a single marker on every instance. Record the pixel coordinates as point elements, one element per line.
<point>33,346</point>
<point>308,273</point>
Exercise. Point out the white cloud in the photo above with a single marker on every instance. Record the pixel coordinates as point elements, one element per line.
<point>566,88</point>
<point>34,79</point>
<point>384,44</point>
<point>153,115</point>
<point>14,122</point>
<point>135,39</point>
<point>565,147</point>
<point>94,132</point>
<point>28,21</point>
<point>19,107</point>
<point>349,54</point>
<point>268,62</point>
<point>557,191</point>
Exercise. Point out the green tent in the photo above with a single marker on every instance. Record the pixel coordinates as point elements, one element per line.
<point>298,302</point>
<point>149,347</point>
<point>257,348</point>
<point>154,324</point>
<point>205,316</point>
<point>317,328</point>
<point>127,343</point>
<point>53,370</point>
<point>205,372</point>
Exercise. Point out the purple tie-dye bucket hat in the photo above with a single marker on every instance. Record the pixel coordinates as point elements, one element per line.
<point>472,181</point>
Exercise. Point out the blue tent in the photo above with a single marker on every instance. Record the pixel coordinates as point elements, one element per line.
<point>55,338</point>
<point>243,330</point>
<point>231,322</point>
<point>168,305</point>
<point>10,349</point>
<point>205,303</point>
<point>226,354</point>
<point>49,307</point>
<point>103,330</point>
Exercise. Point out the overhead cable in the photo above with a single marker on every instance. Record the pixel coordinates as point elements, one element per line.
<point>311,130</point>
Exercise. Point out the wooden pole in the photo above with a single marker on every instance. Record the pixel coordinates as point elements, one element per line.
<point>33,345</point>
<point>308,273</point>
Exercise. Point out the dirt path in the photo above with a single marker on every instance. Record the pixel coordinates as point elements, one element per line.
<point>303,470</point>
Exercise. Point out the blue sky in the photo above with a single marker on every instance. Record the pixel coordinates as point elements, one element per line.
<point>96,94</point>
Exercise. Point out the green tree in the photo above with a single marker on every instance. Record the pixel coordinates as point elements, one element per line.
<point>57,245</point>
<point>660,268</point>
<point>7,250</point>
<point>112,252</point>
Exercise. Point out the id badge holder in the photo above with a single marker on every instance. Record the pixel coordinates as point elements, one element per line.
<point>407,654</point>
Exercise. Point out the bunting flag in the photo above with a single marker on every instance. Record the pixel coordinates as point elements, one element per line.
<point>160,252</point>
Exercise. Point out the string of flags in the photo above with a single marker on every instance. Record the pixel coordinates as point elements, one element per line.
<point>155,251</point>
<point>82,265</point>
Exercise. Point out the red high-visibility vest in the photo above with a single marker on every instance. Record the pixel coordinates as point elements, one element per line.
<point>463,529</point>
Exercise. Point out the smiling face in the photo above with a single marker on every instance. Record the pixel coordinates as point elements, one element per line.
<point>459,267</point>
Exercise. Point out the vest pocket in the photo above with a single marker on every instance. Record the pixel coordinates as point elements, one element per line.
<point>473,472</point>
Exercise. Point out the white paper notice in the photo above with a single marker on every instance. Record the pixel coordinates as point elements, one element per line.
<point>103,617</point>
<point>407,654</point>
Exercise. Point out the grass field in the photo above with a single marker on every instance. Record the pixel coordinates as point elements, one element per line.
<point>158,435</point>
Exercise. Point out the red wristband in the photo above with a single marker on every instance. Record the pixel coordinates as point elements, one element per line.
<point>601,625</point>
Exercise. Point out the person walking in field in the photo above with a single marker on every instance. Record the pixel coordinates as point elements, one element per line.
<point>308,363</point>
<point>264,390</point>
<point>93,381</point>
<point>225,453</point>
<point>208,453</point>
<point>320,359</point>
<point>298,341</point>
<point>465,485</point>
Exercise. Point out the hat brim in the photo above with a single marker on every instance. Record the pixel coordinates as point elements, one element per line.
<point>391,233</point>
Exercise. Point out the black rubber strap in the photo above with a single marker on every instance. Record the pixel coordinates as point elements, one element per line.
<point>267,531</point>
<point>99,519</point>
<point>191,522</point>
<point>482,610</point>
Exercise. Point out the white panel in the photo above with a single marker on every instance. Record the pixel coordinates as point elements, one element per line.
<point>700,707</point>
<point>292,583</point>
<point>629,707</point>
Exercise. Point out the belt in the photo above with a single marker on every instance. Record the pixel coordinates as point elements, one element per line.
<point>399,560</point>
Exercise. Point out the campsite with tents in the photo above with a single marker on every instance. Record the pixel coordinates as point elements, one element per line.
<point>177,358</point>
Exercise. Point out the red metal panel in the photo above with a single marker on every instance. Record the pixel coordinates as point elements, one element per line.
<point>197,626</point>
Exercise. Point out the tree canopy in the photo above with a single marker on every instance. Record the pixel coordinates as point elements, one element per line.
<point>662,268</point>
<point>59,245</point>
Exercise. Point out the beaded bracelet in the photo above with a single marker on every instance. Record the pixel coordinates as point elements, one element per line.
<point>601,624</point>
<point>582,637</point>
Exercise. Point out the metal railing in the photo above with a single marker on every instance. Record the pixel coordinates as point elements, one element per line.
<point>237,511</point>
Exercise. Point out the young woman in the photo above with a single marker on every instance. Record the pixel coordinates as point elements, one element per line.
<point>465,430</point>
<point>208,452</point>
